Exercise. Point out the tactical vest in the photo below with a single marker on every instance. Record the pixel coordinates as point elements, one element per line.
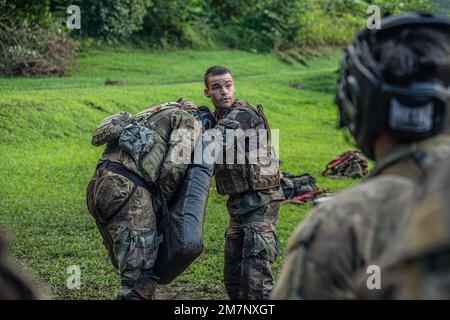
<point>233,179</point>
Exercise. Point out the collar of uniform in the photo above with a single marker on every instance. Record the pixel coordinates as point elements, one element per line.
<point>393,155</point>
<point>400,152</point>
<point>216,115</point>
<point>237,103</point>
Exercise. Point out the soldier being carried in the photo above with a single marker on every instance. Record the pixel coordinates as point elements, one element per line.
<point>136,178</point>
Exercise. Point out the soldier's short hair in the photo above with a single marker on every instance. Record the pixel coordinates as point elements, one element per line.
<point>401,55</point>
<point>215,71</point>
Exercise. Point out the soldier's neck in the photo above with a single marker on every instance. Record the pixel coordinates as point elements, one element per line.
<point>383,144</point>
<point>220,112</point>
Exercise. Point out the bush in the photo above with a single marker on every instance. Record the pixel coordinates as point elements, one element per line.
<point>395,7</point>
<point>33,51</point>
<point>168,22</point>
<point>253,25</point>
<point>112,20</point>
<point>335,22</point>
<point>29,12</point>
<point>256,25</point>
<point>331,22</point>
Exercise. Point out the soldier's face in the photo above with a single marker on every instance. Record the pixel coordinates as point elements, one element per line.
<point>221,90</point>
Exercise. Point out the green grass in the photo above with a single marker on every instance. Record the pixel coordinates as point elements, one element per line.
<point>46,159</point>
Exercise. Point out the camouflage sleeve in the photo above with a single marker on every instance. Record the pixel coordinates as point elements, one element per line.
<point>323,255</point>
<point>181,145</point>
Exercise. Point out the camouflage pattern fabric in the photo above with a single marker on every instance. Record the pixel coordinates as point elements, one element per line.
<point>172,124</point>
<point>130,236</point>
<point>127,219</point>
<point>111,128</point>
<point>418,267</point>
<point>349,232</point>
<point>351,164</point>
<point>251,246</point>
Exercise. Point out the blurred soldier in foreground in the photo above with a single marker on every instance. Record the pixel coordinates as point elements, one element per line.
<point>418,267</point>
<point>253,188</point>
<point>135,179</point>
<point>393,96</point>
<point>14,285</point>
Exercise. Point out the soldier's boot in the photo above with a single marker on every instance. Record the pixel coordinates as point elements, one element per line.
<point>128,296</point>
<point>143,288</point>
<point>126,292</point>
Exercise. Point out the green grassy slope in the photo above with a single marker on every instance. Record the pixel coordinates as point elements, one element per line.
<point>46,159</point>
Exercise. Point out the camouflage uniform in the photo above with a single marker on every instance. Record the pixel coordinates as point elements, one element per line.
<point>343,236</point>
<point>251,244</point>
<point>125,204</point>
<point>419,266</point>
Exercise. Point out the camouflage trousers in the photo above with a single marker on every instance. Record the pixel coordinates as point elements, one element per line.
<point>251,246</point>
<point>127,223</point>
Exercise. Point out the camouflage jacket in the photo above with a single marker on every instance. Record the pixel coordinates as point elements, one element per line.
<point>417,266</point>
<point>249,200</point>
<point>345,235</point>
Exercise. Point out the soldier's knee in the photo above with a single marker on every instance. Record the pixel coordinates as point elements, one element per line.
<point>261,241</point>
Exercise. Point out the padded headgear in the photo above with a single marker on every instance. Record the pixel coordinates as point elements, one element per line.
<point>369,104</point>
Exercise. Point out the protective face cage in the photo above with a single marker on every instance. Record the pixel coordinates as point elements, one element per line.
<point>369,105</point>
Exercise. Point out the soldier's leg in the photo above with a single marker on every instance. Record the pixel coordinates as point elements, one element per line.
<point>234,239</point>
<point>130,236</point>
<point>260,251</point>
<point>136,246</point>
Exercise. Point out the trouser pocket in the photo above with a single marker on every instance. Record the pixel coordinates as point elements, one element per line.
<point>107,195</point>
<point>134,251</point>
<point>261,241</point>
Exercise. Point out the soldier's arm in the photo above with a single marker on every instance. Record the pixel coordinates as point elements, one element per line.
<point>322,257</point>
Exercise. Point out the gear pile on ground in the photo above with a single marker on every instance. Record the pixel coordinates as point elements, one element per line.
<point>299,189</point>
<point>351,164</point>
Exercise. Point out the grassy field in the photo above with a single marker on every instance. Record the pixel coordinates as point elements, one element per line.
<point>46,159</point>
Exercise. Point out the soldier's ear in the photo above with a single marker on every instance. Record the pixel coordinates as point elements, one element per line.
<point>206,92</point>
